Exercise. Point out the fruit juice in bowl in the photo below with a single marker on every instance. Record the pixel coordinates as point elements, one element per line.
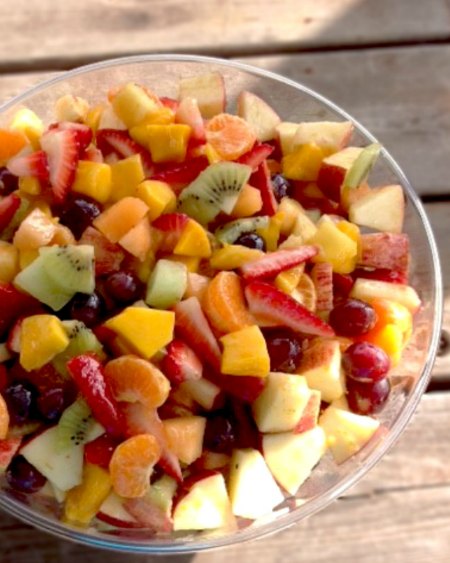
<point>220,302</point>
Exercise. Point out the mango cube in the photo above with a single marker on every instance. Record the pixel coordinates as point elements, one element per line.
<point>168,143</point>
<point>9,262</point>
<point>132,104</point>
<point>158,196</point>
<point>126,175</point>
<point>162,116</point>
<point>93,179</point>
<point>29,185</point>
<point>245,353</point>
<point>145,330</point>
<point>303,163</point>
<point>193,241</point>
<point>335,247</point>
<point>42,337</point>
<point>83,502</point>
<point>233,256</point>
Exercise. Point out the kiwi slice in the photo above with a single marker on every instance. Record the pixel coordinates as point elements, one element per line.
<point>215,189</point>
<point>34,280</point>
<point>70,266</point>
<point>228,233</point>
<point>166,285</point>
<point>362,166</point>
<point>77,426</point>
<point>81,340</point>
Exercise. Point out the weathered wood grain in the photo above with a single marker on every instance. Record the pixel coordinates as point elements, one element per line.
<point>38,33</point>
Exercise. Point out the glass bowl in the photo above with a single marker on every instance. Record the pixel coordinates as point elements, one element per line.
<point>293,102</point>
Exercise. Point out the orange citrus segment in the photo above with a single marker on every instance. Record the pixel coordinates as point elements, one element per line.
<point>229,135</point>
<point>305,293</point>
<point>132,463</point>
<point>224,303</point>
<point>11,142</point>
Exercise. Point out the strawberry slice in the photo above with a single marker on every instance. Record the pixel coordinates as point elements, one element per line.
<point>34,164</point>
<point>181,363</point>
<point>92,154</point>
<point>191,324</point>
<point>8,207</point>
<point>87,372</point>
<point>275,262</point>
<point>261,179</point>
<point>83,133</point>
<point>13,340</point>
<point>322,276</point>
<point>381,274</point>
<point>180,175</point>
<point>169,103</point>
<point>171,225</point>
<point>122,144</point>
<point>310,197</point>
<point>108,256</point>
<point>99,451</point>
<point>13,304</point>
<point>268,303</point>
<point>188,113</point>
<point>8,449</point>
<point>61,147</point>
<point>256,156</point>
<point>245,388</point>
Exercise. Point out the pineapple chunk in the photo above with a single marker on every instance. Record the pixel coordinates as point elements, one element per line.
<point>94,180</point>
<point>245,353</point>
<point>29,185</point>
<point>158,196</point>
<point>132,104</point>
<point>71,108</point>
<point>335,247</point>
<point>126,175</point>
<point>233,256</point>
<point>303,163</point>
<point>9,262</point>
<point>193,241</point>
<point>27,122</point>
<point>168,143</point>
<point>144,330</point>
<point>42,337</point>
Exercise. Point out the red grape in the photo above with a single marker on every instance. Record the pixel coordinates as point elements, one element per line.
<point>367,398</point>
<point>352,318</point>
<point>123,286</point>
<point>285,350</point>
<point>23,477</point>
<point>365,362</point>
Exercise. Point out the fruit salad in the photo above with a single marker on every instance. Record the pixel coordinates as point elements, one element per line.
<point>197,305</point>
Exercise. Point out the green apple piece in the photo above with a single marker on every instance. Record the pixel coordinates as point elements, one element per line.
<point>291,457</point>
<point>330,134</point>
<point>282,402</point>
<point>360,169</point>
<point>381,208</point>
<point>166,285</point>
<point>321,367</point>
<point>259,115</point>
<point>366,290</point>
<point>253,490</point>
<point>346,432</point>
<point>206,506</point>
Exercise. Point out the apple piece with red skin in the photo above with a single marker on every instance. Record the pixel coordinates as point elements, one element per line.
<point>8,449</point>
<point>210,461</point>
<point>310,415</point>
<point>171,226</point>
<point>113,512</point>
<point>8,207</point>
<point>388,251</point>
<point>333,171</point>
<point>379,274</point>
<point>260,116</point>
<point>245,387</point>
<point>209,91</point>
<point>322,277</point>
<point>188,112</point>
<point>381,208</point>
<point>367,289</point>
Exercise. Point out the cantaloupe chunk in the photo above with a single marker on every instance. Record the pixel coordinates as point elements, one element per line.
<point>248,203</point>
<point>138,240</point>
<point>117,220</point>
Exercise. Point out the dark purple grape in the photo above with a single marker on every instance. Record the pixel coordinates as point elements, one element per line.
<point>281,186</point>
<point>123,287</point>
<point>219,435</point>
<point>352,318</point>
<point>86,308</point>
<point>23,477</point>
<point>285,350</point>
<point>51,404</point>
<point>365,362</point>
<point>8,182</point>
<point>78,214</point>
<point>20,398</point>
<point>251,240</point>
<point>367,398</point>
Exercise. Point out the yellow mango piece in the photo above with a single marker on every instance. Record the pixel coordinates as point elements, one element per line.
<point>29,185</point>
<point>248,203</point>
<point>27,122</point>
<point>271,233</point>
<point>193,241</point>
<point>162,116</point>
<point>126,175</point>
<point>304,162</point>
<point>83,502</point>
<point>145,330</point>
<point>245,353</point>
<point>288,280</point>
<point>9,262</point>
<point>233,256</point>
<point>132,104</point>
<point>192,263</point>
<point>168,143</point>
<point>334,247</point>
<point>92,118</point>
<point>94,180</point>
<point>42,337</point>
<point>159,197</point>
<point>290,210</point>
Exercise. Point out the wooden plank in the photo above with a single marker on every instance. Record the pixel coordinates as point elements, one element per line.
<point>398,512</point>
<point>233,27</point>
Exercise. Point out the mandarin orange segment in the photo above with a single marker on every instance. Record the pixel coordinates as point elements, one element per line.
<point>229,135</point>
<point>134,379</point>
<point>391,312</point>
<point>11,142</point>
<point>224,303</point>
<point>305,292</point>
<point>4,418</point>
<point>131,465</point>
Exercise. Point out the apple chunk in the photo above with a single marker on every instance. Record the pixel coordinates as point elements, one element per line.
<point>310,415</point>
<point>381,208</point>
<point>209,91</point>
<point>346,432</point>
<point>366,290</point>
<point>206,506</point>
<point>291,457</point>
<point>329,134</point>
<point>282,402</point>
<point>385,250</point>
<point>334,169</point>
<point>253,490</point>
<point>259,115</point>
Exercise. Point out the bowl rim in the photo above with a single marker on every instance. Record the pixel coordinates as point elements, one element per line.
<point>64,531</point>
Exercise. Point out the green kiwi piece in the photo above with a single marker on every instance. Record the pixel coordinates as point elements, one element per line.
<point>362,166</point>
<point>81,340</point>
<point>215,189</point>
<point>229,232</point>
<point>34,280</point>
<point>77,426</point>
<point>166,285</point>
<point>70,266</point>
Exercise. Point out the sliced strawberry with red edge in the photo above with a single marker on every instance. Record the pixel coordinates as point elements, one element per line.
<point>13,304</point>
<point>108,256</point>
<point>188,113</point>
<point>180,175</point>
<point>261,179</point>
<point>181,363</point>
<point>246,388</point>
<point>171,225</point>
<point>169,103</point>
<point>34,164</point>
<point>388,251</point>
<point>122,144</point>
<point>275,262</point>
<point>192,326</point>
<point>99,451</point>
<point>322,277</point>
<point>92,154</point>
<point>268,303</point>
<point>87,372</point>
<point>381,274</point>
<point>62,149</point>
<point>8,449</point>
<point>8,207</point>
<point>256,156</point>
<point>83,133</point>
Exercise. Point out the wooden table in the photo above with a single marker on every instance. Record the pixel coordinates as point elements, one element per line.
<point>388,63</point>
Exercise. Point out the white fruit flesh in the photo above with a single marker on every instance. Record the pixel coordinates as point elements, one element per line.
<point>381,208</point>
<point>366,290</point>
<point>209,91</point>
<point>203,391</point>
<point>323,133</point>
<point>291,457</point>
<point>259,115</point>
<point>113,509</point>
<point>286,133</point>
<point>253,490</point>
